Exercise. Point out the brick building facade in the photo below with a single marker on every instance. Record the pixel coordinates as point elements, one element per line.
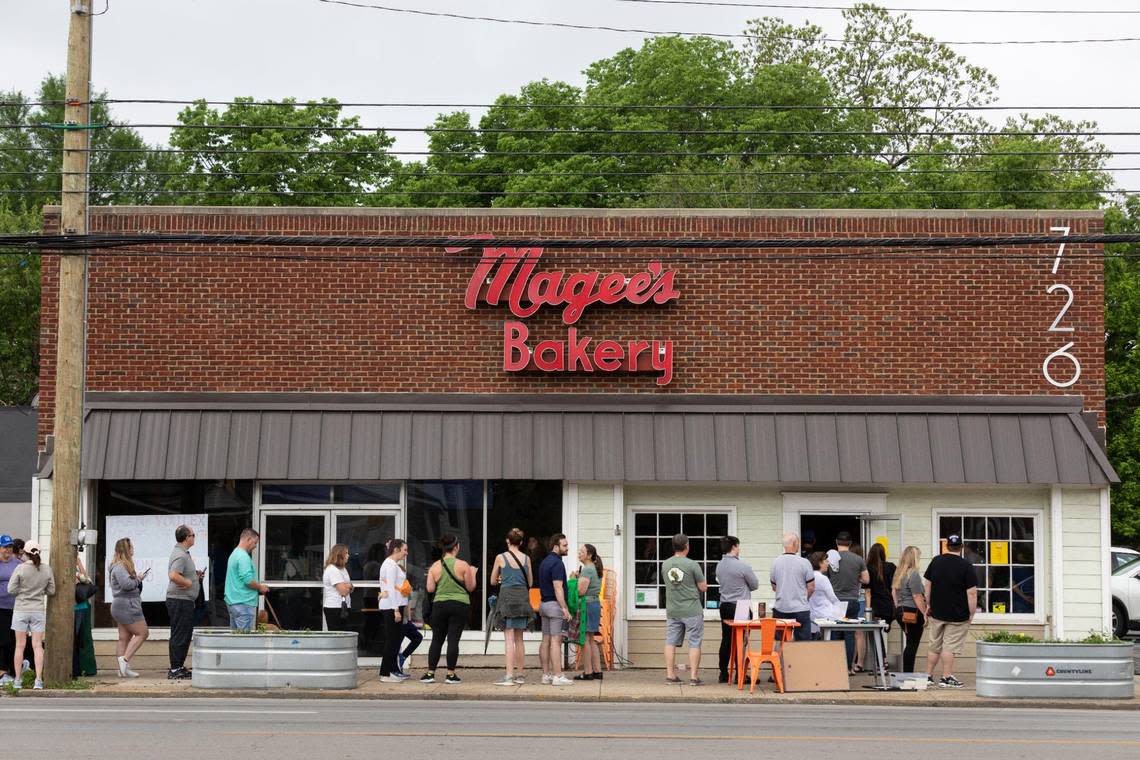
<point>788,369</point>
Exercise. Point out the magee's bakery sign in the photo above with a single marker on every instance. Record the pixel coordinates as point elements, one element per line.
<point>508,275</point>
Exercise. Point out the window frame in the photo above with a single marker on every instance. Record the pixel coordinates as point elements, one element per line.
<point>635,613</point>
<point>1041,598</point>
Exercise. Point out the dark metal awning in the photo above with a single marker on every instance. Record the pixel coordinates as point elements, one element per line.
<point>811,440</point>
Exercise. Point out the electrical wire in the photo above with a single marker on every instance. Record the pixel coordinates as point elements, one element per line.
<point>294,174</point>
<point>782,6</point>
<point>721,35</point>
<point>547,131</point>
<point>160,192</point>
<point>586,106</point>
<point>121,240</point>
<point>476,152</point>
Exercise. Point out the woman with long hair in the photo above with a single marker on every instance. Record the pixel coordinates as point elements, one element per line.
<point>590,610</point>
<point>29,584</point>
<point>336,597</point>
<point>394,592</point>
<point>512,574</point>
<point>451,580</point>
<point>126,605</point>
<point>879,599</point>
<point>909,596</point>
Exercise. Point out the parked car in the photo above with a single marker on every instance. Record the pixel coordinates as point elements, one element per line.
<point>1122,555</point>
<point>1125,584</point>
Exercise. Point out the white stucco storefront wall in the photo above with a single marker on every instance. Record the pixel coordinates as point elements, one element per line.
<point>1075,586</point>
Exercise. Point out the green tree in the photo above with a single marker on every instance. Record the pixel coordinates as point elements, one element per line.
<point>277,154</point>
<point>1122,368</point>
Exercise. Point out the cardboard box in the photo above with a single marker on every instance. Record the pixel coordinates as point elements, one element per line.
<point>815,666</point>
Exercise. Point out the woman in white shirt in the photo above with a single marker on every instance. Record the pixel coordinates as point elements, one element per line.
<point>823,601</point>
<point>336,597</point>
<point>393,609</point>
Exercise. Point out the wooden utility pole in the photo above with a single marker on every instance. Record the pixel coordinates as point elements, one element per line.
<point>69,351</point>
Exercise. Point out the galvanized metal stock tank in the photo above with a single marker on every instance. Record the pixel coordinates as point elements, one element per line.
<point>1055,670</point>
<point>301,660</point>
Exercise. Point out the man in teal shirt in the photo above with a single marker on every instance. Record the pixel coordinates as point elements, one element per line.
<point>242,586</point>
<point>684,613</point>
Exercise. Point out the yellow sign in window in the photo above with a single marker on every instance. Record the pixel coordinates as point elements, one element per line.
<point>999,552</point>
<point>999,608</point>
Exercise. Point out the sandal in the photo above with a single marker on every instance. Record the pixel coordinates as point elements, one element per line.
<point>696,682</point>
<point>673,680</point>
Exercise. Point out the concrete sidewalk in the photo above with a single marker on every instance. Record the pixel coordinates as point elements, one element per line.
<point>619,686</point>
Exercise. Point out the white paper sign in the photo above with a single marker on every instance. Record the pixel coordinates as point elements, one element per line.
<point>743,612</point>
<point>153,539</point>
<point>645,596</point>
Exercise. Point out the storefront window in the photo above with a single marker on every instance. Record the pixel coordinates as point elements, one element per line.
<point>1002,550</point>
<point>228,506</point>
<point>653,544</point>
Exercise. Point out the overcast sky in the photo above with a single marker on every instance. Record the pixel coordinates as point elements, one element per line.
<point>219,49</point>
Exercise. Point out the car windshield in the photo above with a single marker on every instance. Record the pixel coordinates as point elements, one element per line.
<point>1130,566</point>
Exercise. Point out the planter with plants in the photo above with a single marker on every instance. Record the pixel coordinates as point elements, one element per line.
<point>268,659</point>
<point>1016,665</point>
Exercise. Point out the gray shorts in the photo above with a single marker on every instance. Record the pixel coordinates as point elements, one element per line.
<point>29,622</point>
<point>552,620</point>
<point>676,629</point>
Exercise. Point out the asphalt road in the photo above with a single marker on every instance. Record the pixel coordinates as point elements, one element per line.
<point>205,729</point>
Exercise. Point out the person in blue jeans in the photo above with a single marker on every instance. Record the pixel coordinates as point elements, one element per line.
<point>242,585</point>
<point>848,577</point>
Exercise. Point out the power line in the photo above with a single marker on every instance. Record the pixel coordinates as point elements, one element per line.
<point>572,132</point>
<point>721,35</point>
<point>318,152</point>
<point>781,6</point>
<point>293,174</point>
<point>119,240</point>
<point>589,106</point>
<point>159,192</point>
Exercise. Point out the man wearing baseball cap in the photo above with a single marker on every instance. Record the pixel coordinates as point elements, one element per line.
<point>8,564</point>
<point>952,595</point>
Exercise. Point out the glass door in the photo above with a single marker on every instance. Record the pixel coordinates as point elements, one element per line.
<point>293,550</point>
<point>886,530</point>
<point>366,533</point>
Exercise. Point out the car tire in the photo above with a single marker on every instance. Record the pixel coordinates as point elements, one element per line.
<point>1119,620</point>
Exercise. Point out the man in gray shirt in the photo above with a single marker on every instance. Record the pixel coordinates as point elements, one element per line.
<point>181,595</point>
<point>737,582</point>
<point>793,580</point>
<point>848,580</point>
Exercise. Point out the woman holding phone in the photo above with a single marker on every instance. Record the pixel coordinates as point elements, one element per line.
<point>126,606</point>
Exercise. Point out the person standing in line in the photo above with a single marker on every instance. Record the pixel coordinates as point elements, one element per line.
<point>952,597</point>
<point>589,579</point>
<point>737,582</point>
<point>879,598</point>
<point>847,578</point>
<point>807,546</point>
<point>910,604</point>
<point>684,615</point>
<point>242,586</point>
<point>8,564</point>
<point>393,610</point>
<point>451,580</point>
<point>336,593</point>
<point>793,580</point>
<point>512,574</point>
<point>29,584</point>
<point>181,596</point>
<point>126,605</point>
<point>410,630</point>
<point>823,600</point>
<point>553,610</point>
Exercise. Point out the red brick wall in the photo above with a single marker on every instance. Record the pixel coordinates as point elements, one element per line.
<point>949,326</point>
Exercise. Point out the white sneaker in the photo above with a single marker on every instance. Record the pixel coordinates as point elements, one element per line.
<point>125,669</point>
<point>391,679</point>
<point>6,679</point>
<point>561,681</point>
<point>505,681</point>
<point>520,680</point>
<point>547,679</point>
<point>38,685</point>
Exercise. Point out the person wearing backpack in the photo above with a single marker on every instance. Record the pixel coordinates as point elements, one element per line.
<point>512,574</point>
<point>451,581</point>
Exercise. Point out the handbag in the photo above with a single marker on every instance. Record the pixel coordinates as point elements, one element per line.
<point>909,617</point>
